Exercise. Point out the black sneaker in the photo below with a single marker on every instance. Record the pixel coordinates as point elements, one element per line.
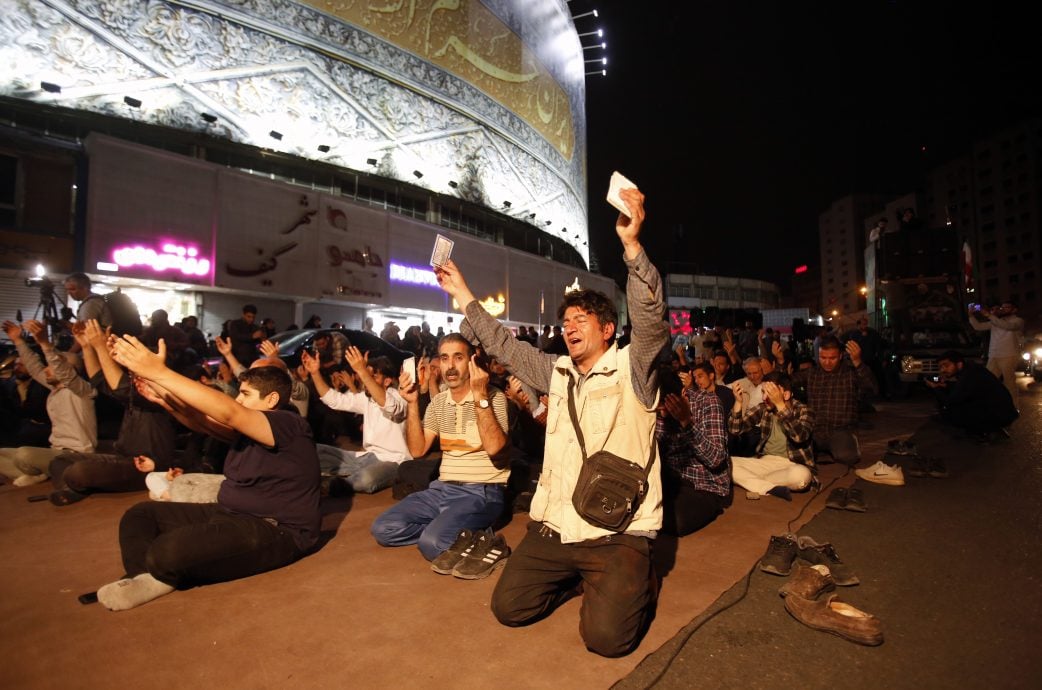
<point>447,559</point>
<point>781,552</point>
<point>489,553</point>
<point>919,467</point>
<point>837,499</point>
<point>936,468</point>
<point>855,501</point>
<point>824,554</point>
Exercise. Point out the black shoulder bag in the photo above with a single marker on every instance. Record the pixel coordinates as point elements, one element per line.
<point>610,489</point>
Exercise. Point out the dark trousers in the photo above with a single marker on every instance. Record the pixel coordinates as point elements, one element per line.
<point>686,509</point>
<point>841,444</point>
<point>186,544</point>
<point>618,586</point>
<point>89,472</point>
<point>978,418</point>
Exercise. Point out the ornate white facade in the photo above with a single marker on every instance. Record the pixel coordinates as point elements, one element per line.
<point>489,96</point>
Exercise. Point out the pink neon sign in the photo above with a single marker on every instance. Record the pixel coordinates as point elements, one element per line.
<point>172,257</point>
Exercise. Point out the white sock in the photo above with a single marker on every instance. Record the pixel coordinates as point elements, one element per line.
<point>130,592</point>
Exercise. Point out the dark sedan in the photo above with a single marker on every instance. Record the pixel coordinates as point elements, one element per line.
<point>292,343</point>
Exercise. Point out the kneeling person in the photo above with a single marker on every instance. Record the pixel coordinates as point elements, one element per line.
<point>784,460</point>
<point>470,420</point>
<point>267,511</point>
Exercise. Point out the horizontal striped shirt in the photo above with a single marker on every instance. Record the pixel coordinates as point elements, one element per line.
<point>463,459</point>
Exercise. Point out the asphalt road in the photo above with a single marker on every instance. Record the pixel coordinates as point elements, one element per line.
<point>951,567</point>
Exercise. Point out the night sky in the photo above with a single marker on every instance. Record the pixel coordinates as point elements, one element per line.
<point>741,122</point>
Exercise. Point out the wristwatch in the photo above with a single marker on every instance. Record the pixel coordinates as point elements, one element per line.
<point>483,403</point>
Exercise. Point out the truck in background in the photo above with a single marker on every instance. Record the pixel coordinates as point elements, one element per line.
<point>917,301</point>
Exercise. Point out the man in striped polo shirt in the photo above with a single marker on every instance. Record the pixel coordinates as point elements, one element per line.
<point>470,421</point>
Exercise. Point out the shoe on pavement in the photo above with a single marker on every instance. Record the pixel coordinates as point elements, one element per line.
<point>781,552</point>
<point>489,553</point>
<point>855,501</point>
<point>837,499</point>
<point>811,552</point>
<point>29,479</point>
<point>839,618</point>
<point>809,582</point>
<point>881,473</point>
<point>447,559</point>
<point>935,467</point>
<point>782,492</point>
<point>919,467</point>
<point>898,447</point>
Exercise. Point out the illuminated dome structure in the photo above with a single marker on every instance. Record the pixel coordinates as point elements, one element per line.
<point>484,101</point>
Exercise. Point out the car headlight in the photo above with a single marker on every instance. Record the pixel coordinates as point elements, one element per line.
<point>1027,355</point>
<point>1038,352</point>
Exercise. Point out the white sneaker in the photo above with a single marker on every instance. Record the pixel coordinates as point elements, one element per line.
<point>29,479</point>
<point>881,473</point>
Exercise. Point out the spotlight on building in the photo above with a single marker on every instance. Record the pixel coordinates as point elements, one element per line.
<point>599,33</point>
<point>132,102</point>
<point>208,118</point>
<point>531,216</point>
<point>277,136</point>
<point>50,88</point>
<point>453,184</point>
<point>506,204</point>
<point>548,222</point>
<point>324,148</point>
<point>417,174</point>
<point>585,14</point>
<point>371,161</point>
<point>597,46</point>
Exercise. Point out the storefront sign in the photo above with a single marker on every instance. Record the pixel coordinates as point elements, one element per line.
<point>400,273</point>
<point>170,257</point>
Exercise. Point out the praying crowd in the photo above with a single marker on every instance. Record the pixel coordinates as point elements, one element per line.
<point>477,425</point>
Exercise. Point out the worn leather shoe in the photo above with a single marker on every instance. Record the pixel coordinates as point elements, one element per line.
<point>834,616</point>
<point>825,554</point>
<point>809,582</point>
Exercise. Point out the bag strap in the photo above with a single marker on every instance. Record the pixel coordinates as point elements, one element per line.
<point>579,434</point>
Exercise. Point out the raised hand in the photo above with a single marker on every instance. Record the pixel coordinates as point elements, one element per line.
<point>224,345</point>
<point>628,227</point>
<point>478,378</point>
<point>38,331</point>
<point>269,349</point>
<point>407,388</point>
<point>685,379</point>
<point>13,331</point>
<point>132,354</point>
<point>677,408</point>
<point>356,360</point>
<point>96,336</point>
<point>451,281</point>
<point>310,363</point>
<point>854,350</point>
<point>775,394</point>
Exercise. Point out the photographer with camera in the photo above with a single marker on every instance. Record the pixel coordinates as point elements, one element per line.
<point>92,306</point>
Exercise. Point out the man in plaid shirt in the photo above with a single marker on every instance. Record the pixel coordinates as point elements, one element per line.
<point>833,390</point>
<point>783,461</point>
<point>696,469</point>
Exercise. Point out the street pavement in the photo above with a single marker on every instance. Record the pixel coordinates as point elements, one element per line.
<point>951,566</point>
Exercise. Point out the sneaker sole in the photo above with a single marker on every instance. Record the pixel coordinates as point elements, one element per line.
<point>484,573</point>
<point>774,571</point>
<point>882,480</point>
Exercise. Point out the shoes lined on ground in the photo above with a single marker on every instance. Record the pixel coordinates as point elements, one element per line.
<point>781,552</point>
<point>936,468</point>
<point>66,497</point>
<point>837,499</point>
<point>855,501</point>
<point>834,616</point>
<point>447,559</point>
<point>881,473</point>
<point>809,582</point>
<point>782,492</point>
<point>928,466</point>
<point>824,554</point>
<point>29,479</point>
<point>488,553</point>
<point>898,447</point>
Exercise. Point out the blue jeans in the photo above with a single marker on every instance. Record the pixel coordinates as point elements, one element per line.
<point>366,473</point>
<point>434,517</point>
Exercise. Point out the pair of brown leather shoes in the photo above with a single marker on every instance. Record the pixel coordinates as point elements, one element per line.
<point>831,615</point>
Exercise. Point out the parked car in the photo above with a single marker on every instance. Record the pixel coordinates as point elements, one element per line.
<point>293,343</point>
